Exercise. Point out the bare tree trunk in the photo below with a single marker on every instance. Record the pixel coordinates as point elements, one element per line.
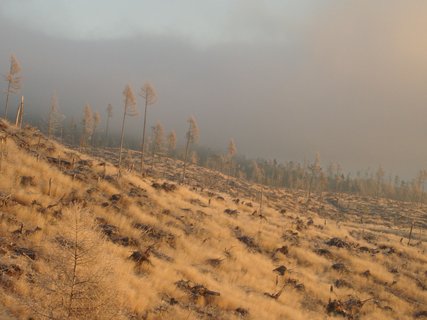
<point>7,101</point>
<point>19,113</point>
<point>94,137</point>
<point>21,116</point>
<point>73,281</point>
<point>49,126</point>
<point>227,181</point>
<point>421,194</point>
<point>17,116</point>
<point>309,188</point>
<point>106,131</point>
<point>143,136</point>
<point>7,94</point>
<point>410,233</point>
<point>152,162</point>
<point>185,159</point>
<point>122,135</point>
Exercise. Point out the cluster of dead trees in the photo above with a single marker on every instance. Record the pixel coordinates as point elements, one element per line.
<point>308,176</point>
<point>149,95</point>
<point>89,135</point>
<point>314,178</point>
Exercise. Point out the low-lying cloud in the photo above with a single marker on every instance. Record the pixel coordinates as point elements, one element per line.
<point>346,79</point>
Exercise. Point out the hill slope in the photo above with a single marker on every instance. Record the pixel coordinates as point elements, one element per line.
<point>78,242</point>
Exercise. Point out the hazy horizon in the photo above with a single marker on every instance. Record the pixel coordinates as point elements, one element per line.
<point>285,79</point>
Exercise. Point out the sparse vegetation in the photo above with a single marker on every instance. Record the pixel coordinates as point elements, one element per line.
<point>91,246</point>
<point>88,230</point>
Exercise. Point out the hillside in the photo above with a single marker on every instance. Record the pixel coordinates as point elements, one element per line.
<point>79,242</point>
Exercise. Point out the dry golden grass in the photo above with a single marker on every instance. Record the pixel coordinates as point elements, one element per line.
<point>192,238</point>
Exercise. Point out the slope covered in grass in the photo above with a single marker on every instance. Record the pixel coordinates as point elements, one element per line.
<point>148,248</point>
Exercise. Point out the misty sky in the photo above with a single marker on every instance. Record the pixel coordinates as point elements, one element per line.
<point>285,79</point>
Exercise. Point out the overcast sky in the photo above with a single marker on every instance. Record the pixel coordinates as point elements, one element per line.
<point>285,79</point>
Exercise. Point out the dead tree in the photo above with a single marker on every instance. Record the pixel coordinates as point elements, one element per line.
<point>55,118</point>
<point>96,122</point>
<point>128,110</point>
<point>171,142</point>
<point>410,233</point>
<point>315,170</point>
<point>157,143</point>
<point>232,150</point>
<point>87,125</point>
<point>20,113</point>
<point>13,81</point>
<point>192,136</point>
<point>109,116</point>
<point>148,93</point>
<point>77,282</point>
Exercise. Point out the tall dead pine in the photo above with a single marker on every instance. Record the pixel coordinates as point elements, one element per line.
<point>192,136</point>
<point>315,171</point>
<point>129,109</point>
<point>13,80</point>
<point>109,116</point>
<point>232,150</point>
<point>171,142</point>
<point>87,125</point>
<point>148,93</point>
<point>55,118</point>
<point>96,122</point>
<point>157,141</point>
